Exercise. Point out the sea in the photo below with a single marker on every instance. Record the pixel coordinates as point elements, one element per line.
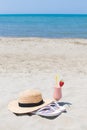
<point>43,25</point>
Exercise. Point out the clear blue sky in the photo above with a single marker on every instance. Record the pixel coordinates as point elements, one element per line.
<point>43,6</point>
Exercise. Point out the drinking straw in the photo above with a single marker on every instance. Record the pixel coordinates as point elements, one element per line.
<point>56,80</point>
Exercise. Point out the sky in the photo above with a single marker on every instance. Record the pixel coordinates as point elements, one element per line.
<point>43,6</point>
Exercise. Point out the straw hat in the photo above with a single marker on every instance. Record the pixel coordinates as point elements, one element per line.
<point>28,101</point>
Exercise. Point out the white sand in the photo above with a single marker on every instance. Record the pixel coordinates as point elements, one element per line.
<point>27,63</point>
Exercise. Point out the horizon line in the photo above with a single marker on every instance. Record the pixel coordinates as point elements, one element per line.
<point>42,14</point>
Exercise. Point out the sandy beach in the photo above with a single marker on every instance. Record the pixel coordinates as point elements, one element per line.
<point>27,63</point>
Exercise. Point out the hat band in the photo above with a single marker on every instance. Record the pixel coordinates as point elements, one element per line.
<point>30,104</point>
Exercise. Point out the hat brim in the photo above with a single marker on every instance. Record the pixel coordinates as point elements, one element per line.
<point>15,108</point>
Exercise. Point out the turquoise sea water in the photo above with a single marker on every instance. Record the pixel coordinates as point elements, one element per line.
<point>49,26</point>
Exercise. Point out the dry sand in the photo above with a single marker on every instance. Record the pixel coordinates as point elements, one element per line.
<point>27,63</point>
